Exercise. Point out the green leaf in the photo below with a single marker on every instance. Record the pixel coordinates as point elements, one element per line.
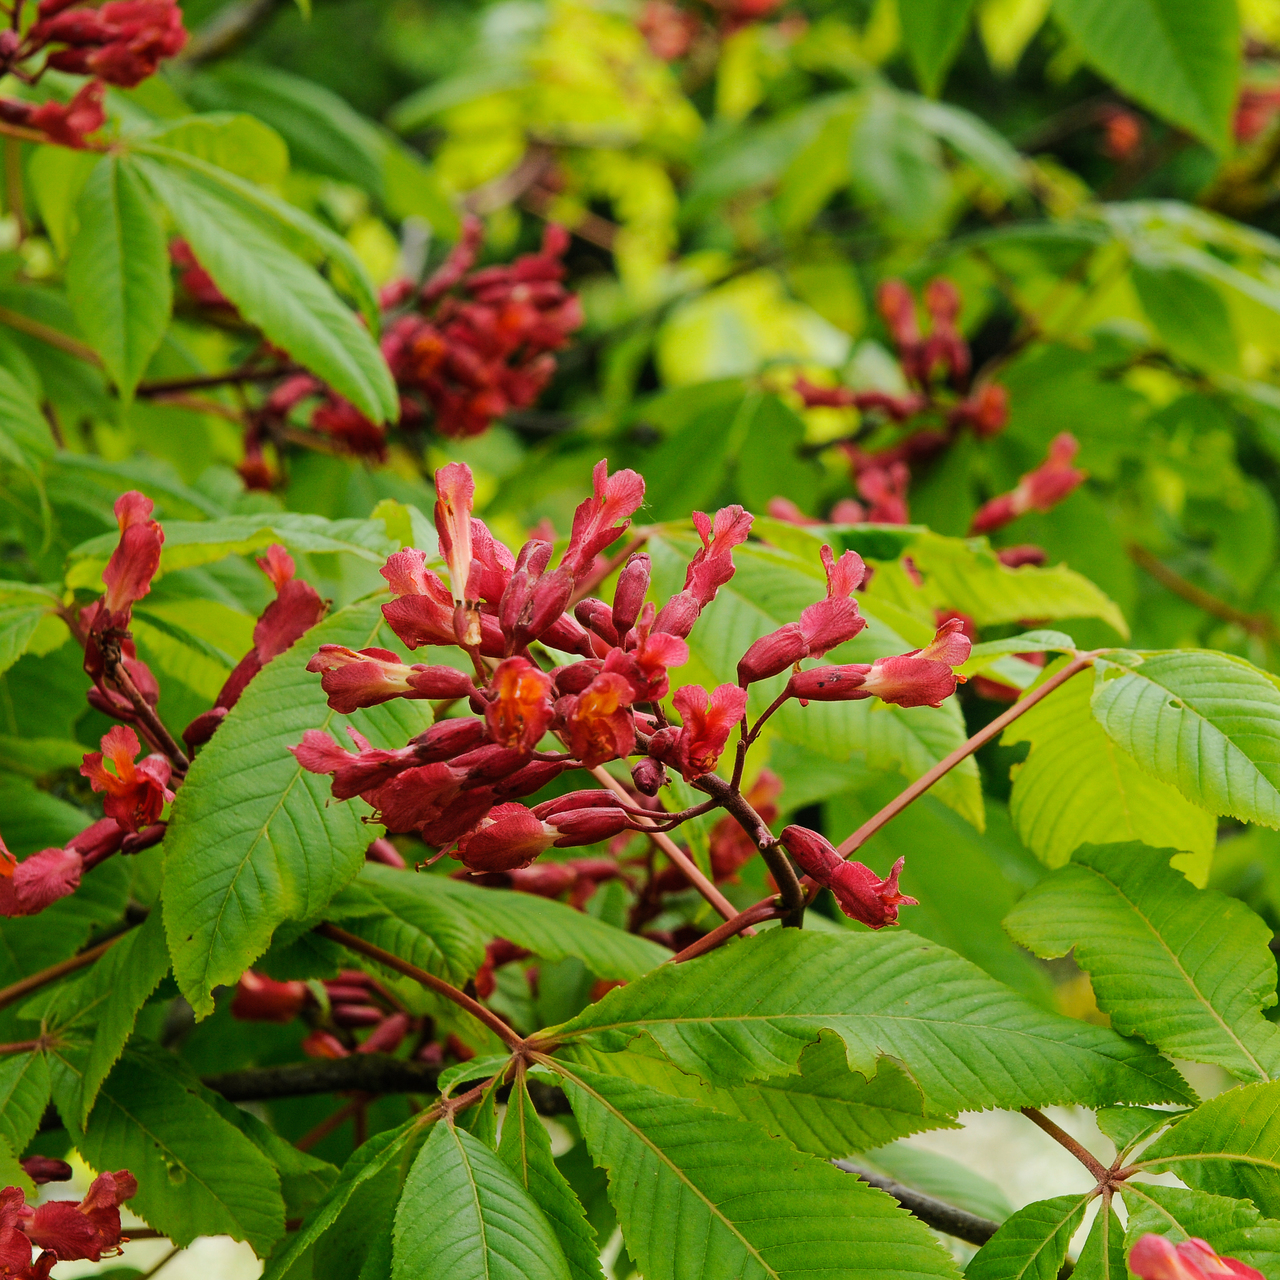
<point>234,141</point>
<point>746,1012</point>
<point>118,280</point>
<point>824,1109</point>
<point>12,1172</point>
<point>189,543</point>
<point>1031,1245</point>
<point>24,1095</point>
<point>1189,314</point>
<point>383,1158</point>
<point>525,1148</point>
<point>274,290</point>
<point>932,31</point>
<point>701,1194</point>
<point>1109,799</point>
<point>56,176</point>
<point>1205,721</point>
<point>1234,1228</point>
<point>1102,1257</point>
<point>1180,58</point>
<point>104,1004</point>
<point>22,608</point>
<point>1229,1146</point>
<point>1189,970</point>
<point>25,440</point>
<point>235,873</point>
<point>197,1174</point>
<point>940,1176</point>
<point>464,1215</point>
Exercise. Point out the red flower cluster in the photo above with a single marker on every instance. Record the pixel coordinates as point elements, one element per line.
<point>471,347</point>
<point>122,42</point>
<point>1157,1258</point>
<point>64,1230</point>
<point>1039,490</point>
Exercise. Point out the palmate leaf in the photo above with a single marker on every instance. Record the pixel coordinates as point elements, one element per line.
<point>747,1011</point>
<point>1188,969</point>
<point>1208,722</point>
<point>771,587</point>
<point>118,280</point>
<point>1234,1228</point>
<point>824,1109</point>
<point>273,289</point>
<point>197,1174</point>
<point>234,873</point>
<point>464,1215</point>
<point>369,1182</point>
<point>702,1196</point>
<point>103,1006</point>
<point>1078,787</point>
<point>1032,1244</point>
<point>525,1148</point>
<point>1229,1146</point>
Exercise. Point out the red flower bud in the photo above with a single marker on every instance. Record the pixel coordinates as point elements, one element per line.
<point>45,1169</point>
<point>510,836</point>
<point>596,616</point>
<point>383,851</point>
<point>772,653</point>
<point>860,893</point>
<point>1023,554</point>
<point>648,776</point>
<point>387,1037</point>
<point>831,684</point>
<point>352,1017</point>
<point>1039,490</point>
<point>324,1044</point>
<point>628,598</point>
<point>1158,1258</point>
<point>260,999</point>
<point>366,677</point>
<point>137,555</point>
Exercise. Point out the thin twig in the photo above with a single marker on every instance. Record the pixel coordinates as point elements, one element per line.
<point>429,980</point>
<point>1064,1139</point>
<point>674,852</point>
<point>146,713</point>
<point>963,752</point>
<point>758,914</point>
<point>1255,623</point>
<point>593,579</point>
<point>15,991</point>
<point>330,1123</point>
<point>46,333</point>
<point>932,1212</point>
<point>168,1258</point>
<point>198,382</point>
<point>20,1046</point>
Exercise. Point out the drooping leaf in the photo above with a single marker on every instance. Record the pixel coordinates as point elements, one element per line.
<point>1229,1146</point>
<point>234,874</point>
<point>1178,58</point>
<point>275,290</point>
<point>525,1148</point>
<point>118,279</point>
<point>1206,721</point>
<point>463,1214</point>
<point>1031,1245</point>
<point>932,31</point>
<point>102,1007</point>
<point>686,1183</point>
<point>1078,787</point>
<point>1188,969</point>
<point>747,1011</point>
<point>1234,1228</point>
<point>197,1174</point>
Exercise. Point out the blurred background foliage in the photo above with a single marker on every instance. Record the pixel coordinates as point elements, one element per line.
<point>1101,183</point>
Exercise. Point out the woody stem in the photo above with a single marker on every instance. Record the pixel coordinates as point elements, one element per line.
<point>962,752</point>
<point>429,980</point>
<point>672,850</point>
<point>757,829</point>
<point>1063,1138</point>
<point>731,928</point>
<point>147,714</point>
<point>24,986</point>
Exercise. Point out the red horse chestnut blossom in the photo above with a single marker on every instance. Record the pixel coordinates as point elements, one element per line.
<point>1039,490</point>
<point>135,794</point>
<point>859,892</point>
<point>65,1230</point>
<point>1158,1258</point>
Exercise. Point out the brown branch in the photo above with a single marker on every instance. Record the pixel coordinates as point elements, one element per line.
<point>361,1072</point>
<point>674,852</point>
<point>932,1212</point>
<point>46,333</point>
<point>259,373</point>
<point>24,986</point>
<point>945,765</point>
<point>590,227</point>
<point>1255,623</point>
<point>758,914</point>
<point>198,404</point>
<point>1064,1139</point>
<point>330,1123</point>
<point>145,712</point>
<point>428,980</point>
<point>536,164</point>
<point>20,1046</point>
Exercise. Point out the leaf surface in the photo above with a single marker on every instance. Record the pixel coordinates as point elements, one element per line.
<point>1032,1244</point>
<point>1234,1228</point>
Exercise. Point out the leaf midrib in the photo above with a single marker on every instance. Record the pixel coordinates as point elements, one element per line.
<point>475,1194</point>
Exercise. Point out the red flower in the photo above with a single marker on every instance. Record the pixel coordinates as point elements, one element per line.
<point>598,721</point>
<point>86,1230</point>
<point>366,677</point>
<point>340,419</point>
<point>137,555</point>
<point>986,409</point>
<point>199,286</point>
<point>668,29</point>
<point>695,747</point>
<point>122,42</point>
<point>860,893</point>
<point>897,308</point>
<point>885,489</point>
<point>135,794</point>
<point>615,498</point>
<point>27,887</point>
<point>710,568</point>
<point>1039,490</point>
<point>945,346</point>
<point>70,123</point>
<point>509,836</point>
<point>1157,1258</point>
<point>455,496</point>
<point>521,708</point>
<point>260,999</point>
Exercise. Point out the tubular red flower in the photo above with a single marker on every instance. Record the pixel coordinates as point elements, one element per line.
<point>423,612</point>
<point>38,881</point>
<point>86,1230</point>
<point>598,721</point>
<point>261,999</point>
<point>135,794</point>
<point>509,836</point>
<point>709,570</point>
<point>628,597</point>
<point>521,711</point>
<point>859,892</point>
<point>885,490</point>
<point>616,497</point>
<point>1039,490</point>
<point>707,722</point>
<point>455,496</point>
<point>1157,1258</point>
<point>137,555</point>
<point>366,677</point>
<point>70,123</point>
